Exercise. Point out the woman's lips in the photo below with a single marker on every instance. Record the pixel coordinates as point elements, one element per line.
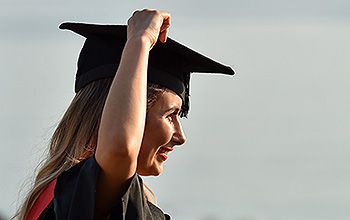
<point>163,156</point>
<point>163,152</point>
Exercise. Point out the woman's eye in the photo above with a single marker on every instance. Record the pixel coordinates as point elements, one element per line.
<point>171,117</point>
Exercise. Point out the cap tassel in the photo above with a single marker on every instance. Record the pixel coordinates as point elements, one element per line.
<point>186,104</point>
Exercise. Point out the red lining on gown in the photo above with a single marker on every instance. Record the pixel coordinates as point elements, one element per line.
<point>43,201</point>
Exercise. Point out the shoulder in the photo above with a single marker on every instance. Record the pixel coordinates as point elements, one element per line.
<point>75,189</point>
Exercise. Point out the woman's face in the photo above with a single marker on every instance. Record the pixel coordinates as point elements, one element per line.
<point>162,132</point>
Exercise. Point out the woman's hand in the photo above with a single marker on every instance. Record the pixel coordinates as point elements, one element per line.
<point>149,24</point>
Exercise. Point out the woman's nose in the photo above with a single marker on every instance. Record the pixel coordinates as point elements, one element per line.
<point>179,136</point>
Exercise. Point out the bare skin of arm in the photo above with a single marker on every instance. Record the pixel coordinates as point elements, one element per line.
<point>123,118</point>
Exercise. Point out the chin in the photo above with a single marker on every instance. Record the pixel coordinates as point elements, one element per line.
<point>155,170</point>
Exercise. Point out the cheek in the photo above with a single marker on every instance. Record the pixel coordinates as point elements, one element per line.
<point>158,133</point>
<point>162,132</point>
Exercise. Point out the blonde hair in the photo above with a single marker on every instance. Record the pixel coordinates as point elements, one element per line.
<point>75,137</point>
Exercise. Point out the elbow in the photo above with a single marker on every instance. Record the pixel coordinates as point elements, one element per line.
<point>119,147</point>
<point>126,148</point>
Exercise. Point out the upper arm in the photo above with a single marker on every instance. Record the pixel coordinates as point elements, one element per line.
<point>122,125</point>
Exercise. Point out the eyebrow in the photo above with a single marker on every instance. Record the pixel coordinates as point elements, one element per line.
<point>173,108</point>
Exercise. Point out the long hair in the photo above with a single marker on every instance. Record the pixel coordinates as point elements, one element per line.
<point>75,137</point>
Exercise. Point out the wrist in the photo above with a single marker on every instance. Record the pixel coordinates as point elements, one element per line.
<point>142,41</point>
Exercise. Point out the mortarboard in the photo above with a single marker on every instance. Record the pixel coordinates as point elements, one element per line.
<point>170,64</point>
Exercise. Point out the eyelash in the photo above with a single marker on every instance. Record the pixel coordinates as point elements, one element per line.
<point>170,117</point>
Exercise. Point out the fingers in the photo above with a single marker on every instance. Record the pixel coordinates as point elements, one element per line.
<point>164,29</point>
<point>163,36</point>
<point>155,23</point>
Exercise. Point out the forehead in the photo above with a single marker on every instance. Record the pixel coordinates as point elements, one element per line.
<point>168,99</point>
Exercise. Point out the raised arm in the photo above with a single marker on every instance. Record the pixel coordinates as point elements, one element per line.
<point>123,118</point>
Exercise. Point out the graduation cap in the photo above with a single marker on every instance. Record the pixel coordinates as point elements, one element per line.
<point>170,64</point>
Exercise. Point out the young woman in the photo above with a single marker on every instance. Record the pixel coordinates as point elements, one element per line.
<point>122,123</point>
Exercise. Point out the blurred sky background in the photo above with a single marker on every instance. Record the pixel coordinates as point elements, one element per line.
<point>271,143</point>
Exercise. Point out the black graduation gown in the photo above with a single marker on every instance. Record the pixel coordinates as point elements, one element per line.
<point>74,197</point>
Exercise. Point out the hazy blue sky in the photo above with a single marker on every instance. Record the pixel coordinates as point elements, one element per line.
<point>270,143</point>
